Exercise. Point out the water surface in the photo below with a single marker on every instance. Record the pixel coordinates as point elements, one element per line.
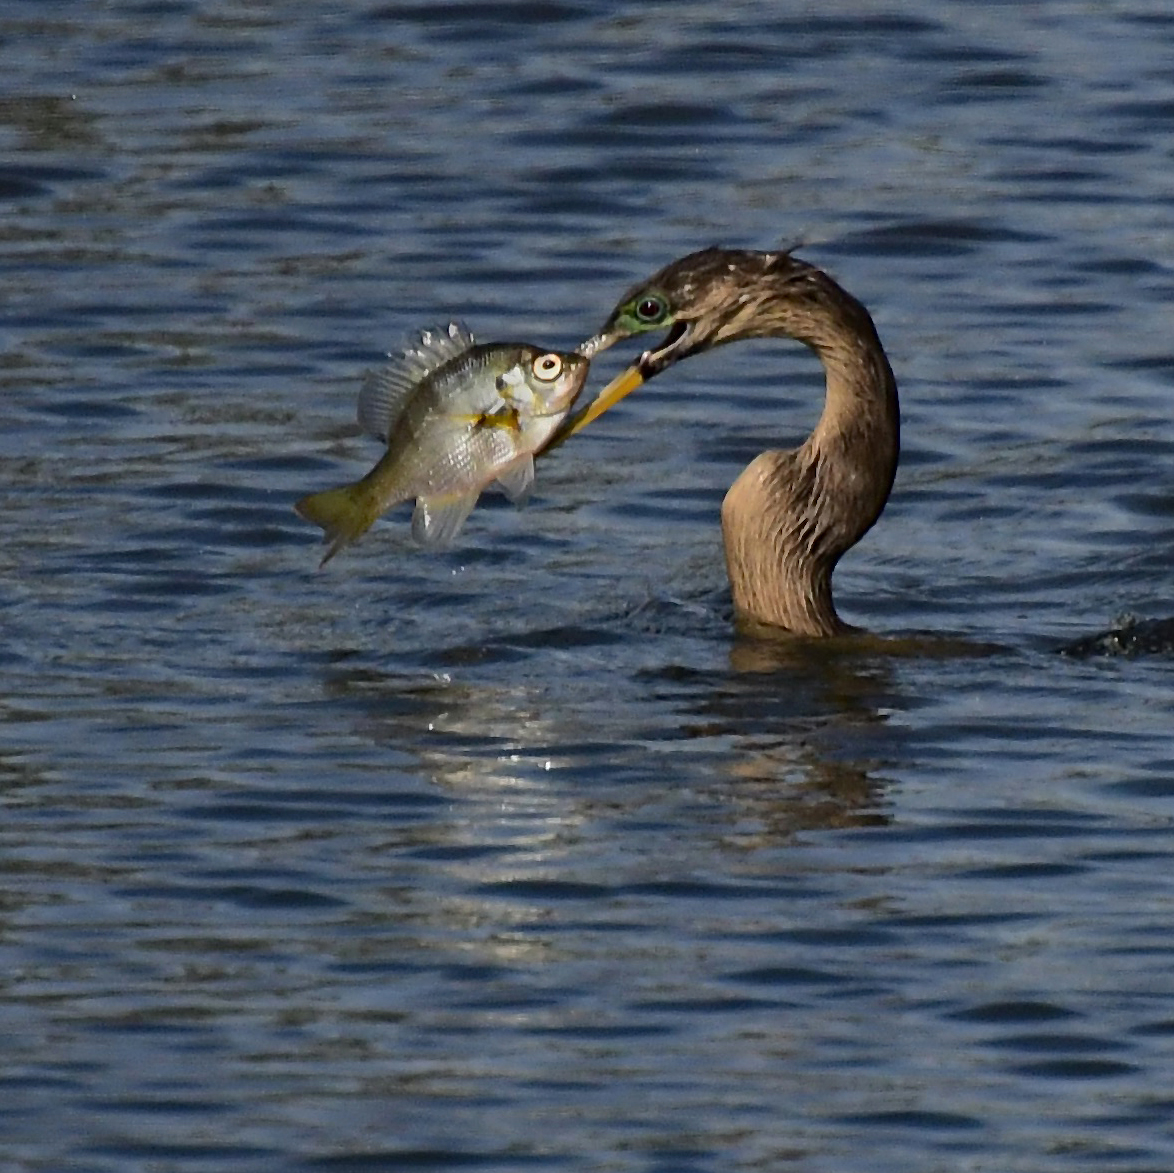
<point>521,856</point>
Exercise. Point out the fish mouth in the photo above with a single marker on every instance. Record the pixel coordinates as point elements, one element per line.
<point>650,363</point>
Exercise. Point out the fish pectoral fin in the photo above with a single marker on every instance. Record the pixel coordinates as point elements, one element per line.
<point>517,481</point>
<point>436,521</point>
<point>502,417</point>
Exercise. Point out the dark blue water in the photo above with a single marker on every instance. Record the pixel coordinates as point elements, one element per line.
<point>519,856</point>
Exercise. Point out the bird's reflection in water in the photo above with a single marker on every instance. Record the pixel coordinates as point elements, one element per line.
<point>589,790</point>
<point>806,723</point>
<point>791,736</point>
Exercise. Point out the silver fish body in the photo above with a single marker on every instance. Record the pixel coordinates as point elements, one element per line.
<point>456,415</point>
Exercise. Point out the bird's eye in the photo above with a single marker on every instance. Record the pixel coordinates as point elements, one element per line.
<point>651,310</point>
<point>548,367</point>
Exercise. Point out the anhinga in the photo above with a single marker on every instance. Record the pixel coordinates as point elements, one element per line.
<point>790,515</point>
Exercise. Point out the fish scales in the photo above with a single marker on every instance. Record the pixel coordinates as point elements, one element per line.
<point>456,416</point>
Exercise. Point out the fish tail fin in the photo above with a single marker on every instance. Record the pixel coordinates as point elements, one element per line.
<point>343,513</point>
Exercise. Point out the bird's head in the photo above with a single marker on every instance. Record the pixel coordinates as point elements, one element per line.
<point>702,300</point>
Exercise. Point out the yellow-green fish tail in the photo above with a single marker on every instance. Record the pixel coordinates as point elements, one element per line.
<point>345,514</point>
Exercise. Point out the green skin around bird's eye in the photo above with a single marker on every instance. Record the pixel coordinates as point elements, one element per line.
<point>649,311</point>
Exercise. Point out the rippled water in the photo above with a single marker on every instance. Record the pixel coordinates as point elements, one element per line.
<point>520,856</point>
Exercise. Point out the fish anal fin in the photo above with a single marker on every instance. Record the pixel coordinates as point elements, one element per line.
<point>518,480</point>
<point>436,521</point>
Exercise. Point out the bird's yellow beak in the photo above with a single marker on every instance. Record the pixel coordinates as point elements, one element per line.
<point>623,384</point>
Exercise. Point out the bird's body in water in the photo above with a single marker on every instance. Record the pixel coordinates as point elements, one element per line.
<point>791,514</point>
<point>1129,636</point>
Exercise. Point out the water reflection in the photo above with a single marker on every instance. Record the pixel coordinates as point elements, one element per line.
<point>787,739</point>
<point>49,122</point>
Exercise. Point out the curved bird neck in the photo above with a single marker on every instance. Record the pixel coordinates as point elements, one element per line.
<point>790,515</point>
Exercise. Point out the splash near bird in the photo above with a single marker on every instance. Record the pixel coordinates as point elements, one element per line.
<point>456,415</point>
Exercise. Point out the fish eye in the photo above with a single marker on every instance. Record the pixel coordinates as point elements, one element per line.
<point>548,367</point>
<point>651,309</point>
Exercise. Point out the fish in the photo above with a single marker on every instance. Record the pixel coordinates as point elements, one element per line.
<point>456,416</point>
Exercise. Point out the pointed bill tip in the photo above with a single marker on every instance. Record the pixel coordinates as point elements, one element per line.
<point>594,345</point>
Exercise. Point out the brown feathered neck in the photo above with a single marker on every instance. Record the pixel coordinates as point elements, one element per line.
<point>791,514</point>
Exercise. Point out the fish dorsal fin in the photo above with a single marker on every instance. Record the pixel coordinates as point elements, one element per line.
<point>386,392</point>
<point>517,480</point>
<point>436,521</point>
